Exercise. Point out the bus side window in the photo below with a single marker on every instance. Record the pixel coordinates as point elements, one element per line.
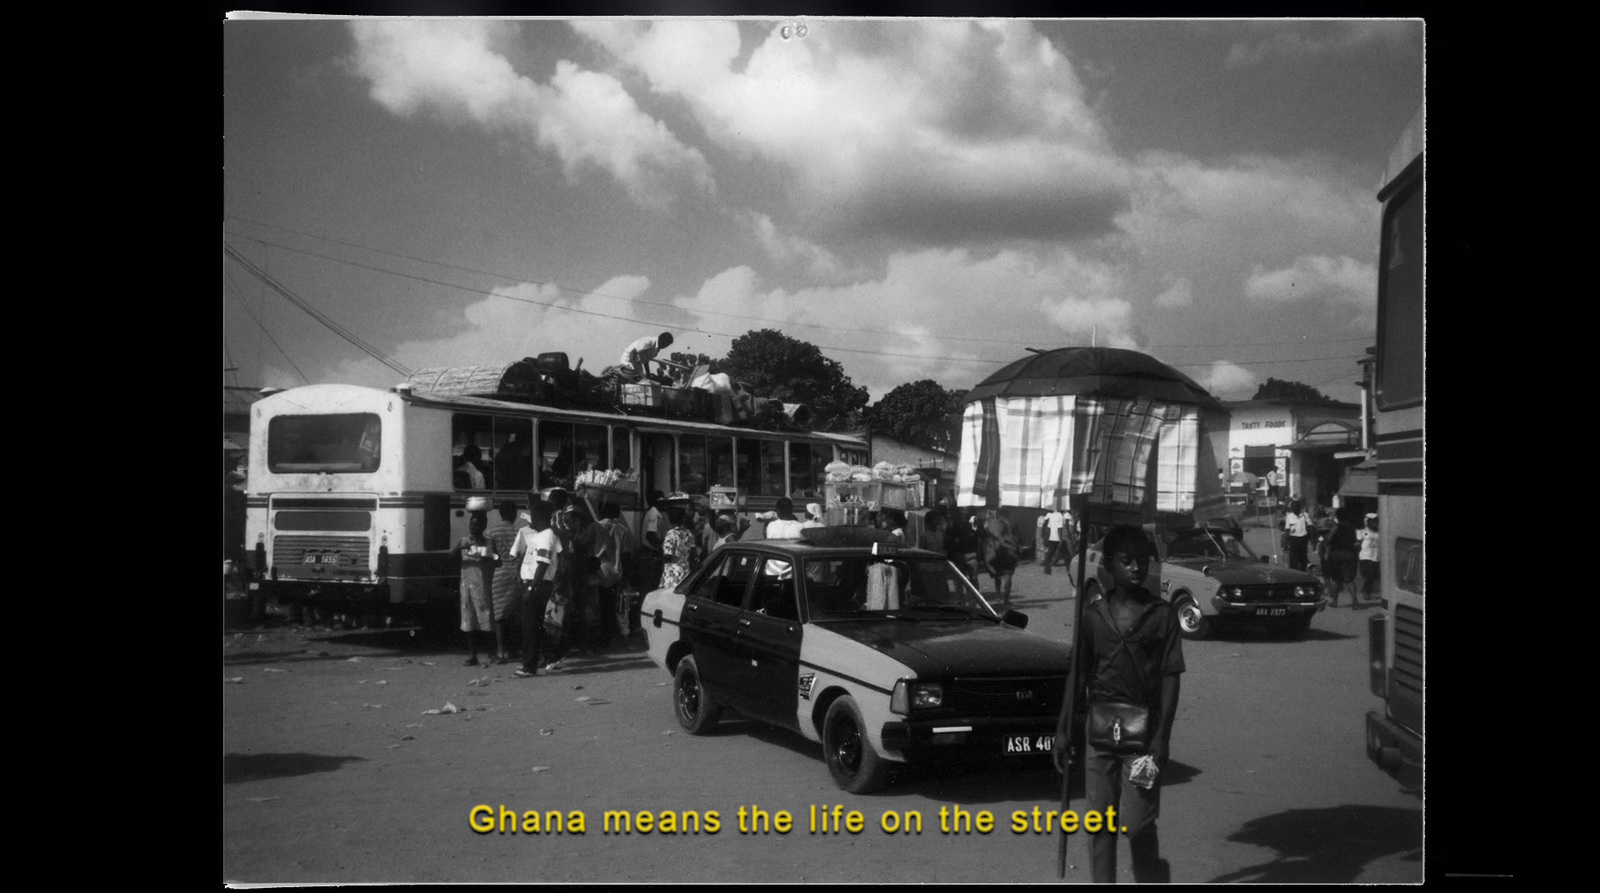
<point>513,455</point>
<point>471,465</point>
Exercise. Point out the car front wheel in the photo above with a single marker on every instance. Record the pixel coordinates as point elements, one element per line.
<point>852,762</point>
<point>1192,624</point>
<point>697,713</point>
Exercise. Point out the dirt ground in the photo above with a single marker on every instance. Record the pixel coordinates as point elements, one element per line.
<point>342,763</point>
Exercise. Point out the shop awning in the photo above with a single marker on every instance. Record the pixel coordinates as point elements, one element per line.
<point>1361,480</point>
<point>1329,436</point>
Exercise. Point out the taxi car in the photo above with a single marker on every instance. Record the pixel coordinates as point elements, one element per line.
<point>884,655</point>
<point>1209,574</point>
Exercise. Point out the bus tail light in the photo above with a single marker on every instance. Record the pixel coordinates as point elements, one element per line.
<point>1377,637</point>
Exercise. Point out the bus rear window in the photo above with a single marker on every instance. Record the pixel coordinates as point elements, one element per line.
<point>324,443</point>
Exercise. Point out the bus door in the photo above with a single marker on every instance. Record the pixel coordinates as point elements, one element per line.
<point>656,461</point>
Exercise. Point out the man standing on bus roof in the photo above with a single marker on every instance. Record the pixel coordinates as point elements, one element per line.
<point>635,361</point>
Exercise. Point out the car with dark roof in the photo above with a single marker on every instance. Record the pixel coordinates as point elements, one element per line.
<point>885,655</point>
<point>1210,576</point>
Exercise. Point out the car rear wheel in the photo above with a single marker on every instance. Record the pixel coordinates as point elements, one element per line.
<point>852,762</point>
<point>697,712</point>
<point>1192,623</point>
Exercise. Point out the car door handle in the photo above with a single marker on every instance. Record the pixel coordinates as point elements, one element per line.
<point>744,622</point>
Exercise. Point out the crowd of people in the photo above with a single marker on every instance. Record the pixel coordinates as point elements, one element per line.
<point>1345,548</point>
<point>544,582</point>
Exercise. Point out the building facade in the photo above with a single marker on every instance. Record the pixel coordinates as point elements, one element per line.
<point>1301,441</point>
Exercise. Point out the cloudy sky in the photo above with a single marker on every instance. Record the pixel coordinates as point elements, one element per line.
<point>920,199</point>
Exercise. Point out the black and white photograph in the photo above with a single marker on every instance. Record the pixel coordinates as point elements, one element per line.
<point>812,449</point>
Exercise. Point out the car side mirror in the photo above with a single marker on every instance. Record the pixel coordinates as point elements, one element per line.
<point>1015,618</point>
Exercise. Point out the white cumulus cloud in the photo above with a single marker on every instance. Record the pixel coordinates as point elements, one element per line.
<point>1339,279</point>
<point>1226,379</point>
<point>587,119</point>
<point>931,132</point>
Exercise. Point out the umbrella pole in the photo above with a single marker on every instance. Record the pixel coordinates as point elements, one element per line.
<point>1064,727</point>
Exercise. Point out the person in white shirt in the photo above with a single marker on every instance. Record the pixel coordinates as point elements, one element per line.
<point>787,526</point>
<point>635,360</point>
<point>539,550</point>
<point>468,474</point>
<point>1367,560</point>
<point>1297,527</point>
<point>1055,521</point>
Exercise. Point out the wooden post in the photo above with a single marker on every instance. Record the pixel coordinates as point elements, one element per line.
<point>1064,727</point>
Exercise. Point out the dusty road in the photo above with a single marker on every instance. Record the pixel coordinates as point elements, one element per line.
<point>334,772</point>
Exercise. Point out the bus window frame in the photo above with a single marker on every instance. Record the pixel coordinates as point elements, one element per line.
<point>1408,184</point>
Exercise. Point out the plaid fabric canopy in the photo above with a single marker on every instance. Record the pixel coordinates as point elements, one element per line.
<point>1037,452</point>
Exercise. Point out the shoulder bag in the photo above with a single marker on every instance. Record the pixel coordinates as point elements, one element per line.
<point>1119,726</point>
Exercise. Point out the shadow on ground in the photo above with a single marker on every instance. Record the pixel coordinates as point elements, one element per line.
<point>1328,846</point>
<point>237,767</point>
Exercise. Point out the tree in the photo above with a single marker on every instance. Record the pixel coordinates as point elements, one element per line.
<point>923,413</point>
<point>1277,389</point>
<point>773,365</point>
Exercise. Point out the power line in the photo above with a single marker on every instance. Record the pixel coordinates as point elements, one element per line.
<point>316,314</point>
<point>262,326</point>
<point>666,304</point>
<point>705,331</point>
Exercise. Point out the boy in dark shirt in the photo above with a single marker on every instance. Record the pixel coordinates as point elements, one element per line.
<point>1133,655</point>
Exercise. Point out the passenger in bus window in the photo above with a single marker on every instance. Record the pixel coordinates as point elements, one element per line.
<point>478,561</point>
<point>468,473</point>
<point>513,464</point>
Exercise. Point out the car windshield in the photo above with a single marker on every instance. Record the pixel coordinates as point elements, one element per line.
<point>856,585</point>
<point>1208,544</point>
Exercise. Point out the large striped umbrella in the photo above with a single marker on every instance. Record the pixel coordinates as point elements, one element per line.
<point>1095,426</point>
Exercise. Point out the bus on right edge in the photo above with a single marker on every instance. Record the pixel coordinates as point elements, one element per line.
<point>1395,734</point>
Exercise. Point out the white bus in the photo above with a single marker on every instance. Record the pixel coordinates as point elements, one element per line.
<point>356,495</point>
<point>1395,734</point>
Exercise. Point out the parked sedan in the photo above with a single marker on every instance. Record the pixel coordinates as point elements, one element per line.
<point>884,655</point>
<point>1209,574</point>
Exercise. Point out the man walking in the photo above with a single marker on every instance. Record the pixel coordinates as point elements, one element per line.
<point>1055,522</point>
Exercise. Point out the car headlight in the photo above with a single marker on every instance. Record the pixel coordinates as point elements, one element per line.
<point>915,695</point>
<point>1235,594</point>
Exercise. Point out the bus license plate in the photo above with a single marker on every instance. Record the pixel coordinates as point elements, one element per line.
<point>1028,744</point>
<point>322,559</point>
<point>1271,612</point>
